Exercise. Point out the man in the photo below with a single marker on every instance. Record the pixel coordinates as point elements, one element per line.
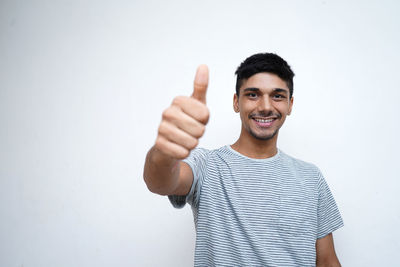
<point>253,204</point>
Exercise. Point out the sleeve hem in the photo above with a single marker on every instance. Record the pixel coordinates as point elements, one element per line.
<point>330,230</point>
<point>179,202</point>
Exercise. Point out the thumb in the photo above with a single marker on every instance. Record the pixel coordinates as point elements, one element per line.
<point>200,83</point>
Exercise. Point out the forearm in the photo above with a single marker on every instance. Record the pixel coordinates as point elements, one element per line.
<point>325,250</point>
<point>331,264</point>
<point>161,172</point>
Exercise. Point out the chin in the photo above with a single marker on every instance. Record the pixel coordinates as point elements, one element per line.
<point>264,137</point>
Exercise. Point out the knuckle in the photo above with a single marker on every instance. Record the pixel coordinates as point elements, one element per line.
<point>167,114</point>
<point>205,114</point>
<point>183,154</point>
<point>159,144</point>
<point>161,128</point>
<point>200,131</point>
<point>178,100</point>
<point>193,143</point>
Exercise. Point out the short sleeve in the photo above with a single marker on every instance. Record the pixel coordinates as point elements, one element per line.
<point>197,162</point>
<point>329,218</point>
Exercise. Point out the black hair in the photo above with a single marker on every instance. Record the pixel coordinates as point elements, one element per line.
<point>264,62</point>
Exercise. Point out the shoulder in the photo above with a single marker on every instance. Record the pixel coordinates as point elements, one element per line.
<point>300,165</point>
<point>200,151</point>
<point>199,155</point>
<point>204,152</point>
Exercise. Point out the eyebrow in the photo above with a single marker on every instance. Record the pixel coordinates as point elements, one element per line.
<point>276,90</point>
<point>280,90</point>
<point>251,89</point>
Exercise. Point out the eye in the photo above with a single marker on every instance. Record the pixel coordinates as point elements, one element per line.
<point>279,96</point>
<point>251,95</point>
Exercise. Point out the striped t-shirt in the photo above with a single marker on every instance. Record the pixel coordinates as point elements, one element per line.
<point>257,212</point>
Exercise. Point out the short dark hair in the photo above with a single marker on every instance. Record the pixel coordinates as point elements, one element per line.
<point>264,62</point>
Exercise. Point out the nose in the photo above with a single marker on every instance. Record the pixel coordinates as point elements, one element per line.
<point>265,104</point>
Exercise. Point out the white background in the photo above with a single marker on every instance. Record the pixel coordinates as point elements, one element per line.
<point>83,85</point>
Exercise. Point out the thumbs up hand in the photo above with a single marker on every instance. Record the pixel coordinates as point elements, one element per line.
<point>183,123</point>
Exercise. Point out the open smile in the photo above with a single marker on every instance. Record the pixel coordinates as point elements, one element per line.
<point>264,122</point>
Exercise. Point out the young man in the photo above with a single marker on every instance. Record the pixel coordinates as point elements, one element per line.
<point>253,204</point>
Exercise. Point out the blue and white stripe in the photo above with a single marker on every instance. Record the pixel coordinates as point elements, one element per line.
<point>257,212</point>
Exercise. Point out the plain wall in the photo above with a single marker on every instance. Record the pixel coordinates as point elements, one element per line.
<point>83,85</point>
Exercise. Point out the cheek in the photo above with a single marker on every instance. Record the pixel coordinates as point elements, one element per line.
<point>247,106</point>
<point>244,112</point>
<point>283,107</point>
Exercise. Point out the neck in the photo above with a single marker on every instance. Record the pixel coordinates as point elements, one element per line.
<point>252,147</point>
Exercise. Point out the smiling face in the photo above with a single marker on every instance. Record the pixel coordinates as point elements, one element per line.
<point>263,104</point>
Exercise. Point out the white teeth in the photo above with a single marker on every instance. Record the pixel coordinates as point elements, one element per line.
<point>264,121</point>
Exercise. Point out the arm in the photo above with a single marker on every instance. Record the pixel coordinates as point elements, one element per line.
<point>325,250</point>
<point>165,175</point>
<point>182,124</point>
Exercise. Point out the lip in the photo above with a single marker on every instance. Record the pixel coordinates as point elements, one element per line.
<point>264,124</point>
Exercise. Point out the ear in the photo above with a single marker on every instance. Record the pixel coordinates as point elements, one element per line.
<point>236,103</point>
<point>290,105</point>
